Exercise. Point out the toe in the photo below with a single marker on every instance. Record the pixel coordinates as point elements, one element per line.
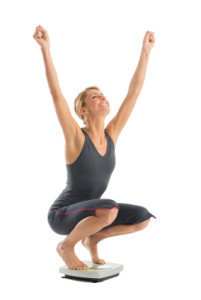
<point>99,261</point>
<point>85,267</point>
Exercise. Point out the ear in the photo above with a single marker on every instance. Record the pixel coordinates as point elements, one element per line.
<point>83,111</point>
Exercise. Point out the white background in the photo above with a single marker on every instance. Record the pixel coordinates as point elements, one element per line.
<point>158,151</point>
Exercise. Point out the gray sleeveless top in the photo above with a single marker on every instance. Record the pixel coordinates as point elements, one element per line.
<point>89,175</point>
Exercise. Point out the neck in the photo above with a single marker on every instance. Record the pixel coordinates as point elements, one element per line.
<point>96,130</point>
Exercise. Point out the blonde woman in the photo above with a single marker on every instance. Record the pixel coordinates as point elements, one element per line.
<point>79,211</point>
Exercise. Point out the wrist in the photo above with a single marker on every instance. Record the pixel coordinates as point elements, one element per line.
<point>146,51</point>
<point>45,48</point>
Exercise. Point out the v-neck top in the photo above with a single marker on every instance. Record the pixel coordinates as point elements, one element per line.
<point>94,145</point>
<point>88,177</point>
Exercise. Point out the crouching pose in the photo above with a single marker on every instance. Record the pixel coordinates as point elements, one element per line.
<point>79,211</point>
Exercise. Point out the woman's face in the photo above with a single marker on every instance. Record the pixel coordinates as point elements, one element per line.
<point>96,103</point>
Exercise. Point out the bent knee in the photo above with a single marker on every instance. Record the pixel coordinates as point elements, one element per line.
<point>107,215</point>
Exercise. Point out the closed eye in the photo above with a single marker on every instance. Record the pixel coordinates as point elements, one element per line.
<point>96,96</point>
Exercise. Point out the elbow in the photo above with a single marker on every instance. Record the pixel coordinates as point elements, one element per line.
<point>56,94</point>
<point>134,91</point>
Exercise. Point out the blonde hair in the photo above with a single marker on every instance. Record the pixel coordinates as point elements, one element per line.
<point>80,102</point>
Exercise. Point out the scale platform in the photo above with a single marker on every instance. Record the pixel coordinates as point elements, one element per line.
<point>95,273</point>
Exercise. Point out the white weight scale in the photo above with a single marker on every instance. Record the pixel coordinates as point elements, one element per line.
<point>95,273</point>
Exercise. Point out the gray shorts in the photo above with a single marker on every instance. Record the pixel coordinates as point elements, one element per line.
<point>63,219</point>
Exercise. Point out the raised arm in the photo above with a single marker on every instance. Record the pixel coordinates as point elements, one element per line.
<point>67,122</point>
<point>118,122</point>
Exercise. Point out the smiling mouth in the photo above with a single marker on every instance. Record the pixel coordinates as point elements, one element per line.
<point>103,105</point>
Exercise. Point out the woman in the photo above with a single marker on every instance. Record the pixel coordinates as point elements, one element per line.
<point>79,212</point>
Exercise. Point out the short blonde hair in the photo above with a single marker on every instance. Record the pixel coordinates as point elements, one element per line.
<point>80,102</point>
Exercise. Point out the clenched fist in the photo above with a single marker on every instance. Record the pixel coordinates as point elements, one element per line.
<point>149,40</point>
<point>41,37</point>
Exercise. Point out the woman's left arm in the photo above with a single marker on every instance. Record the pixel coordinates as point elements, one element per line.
<point>136,84</point>
<point>137,80</point>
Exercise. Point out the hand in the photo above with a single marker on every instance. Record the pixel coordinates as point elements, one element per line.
<point>149,41</point>
<point>41,37</point>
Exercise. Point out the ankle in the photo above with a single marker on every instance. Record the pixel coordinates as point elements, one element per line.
<point>67,243</point>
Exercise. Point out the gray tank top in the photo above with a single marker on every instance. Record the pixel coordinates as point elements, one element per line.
<point>89,175</point>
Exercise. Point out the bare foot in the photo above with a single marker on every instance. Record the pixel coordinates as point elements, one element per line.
<point>69,257</point>
<point>91,245</point>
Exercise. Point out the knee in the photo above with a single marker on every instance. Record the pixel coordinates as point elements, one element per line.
<point>113,214</point>
<point>108,215</point>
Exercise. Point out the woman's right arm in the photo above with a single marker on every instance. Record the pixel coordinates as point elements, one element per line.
<point>67,122</point>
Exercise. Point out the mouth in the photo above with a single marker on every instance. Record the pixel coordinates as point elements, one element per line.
<point>103,104</point>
